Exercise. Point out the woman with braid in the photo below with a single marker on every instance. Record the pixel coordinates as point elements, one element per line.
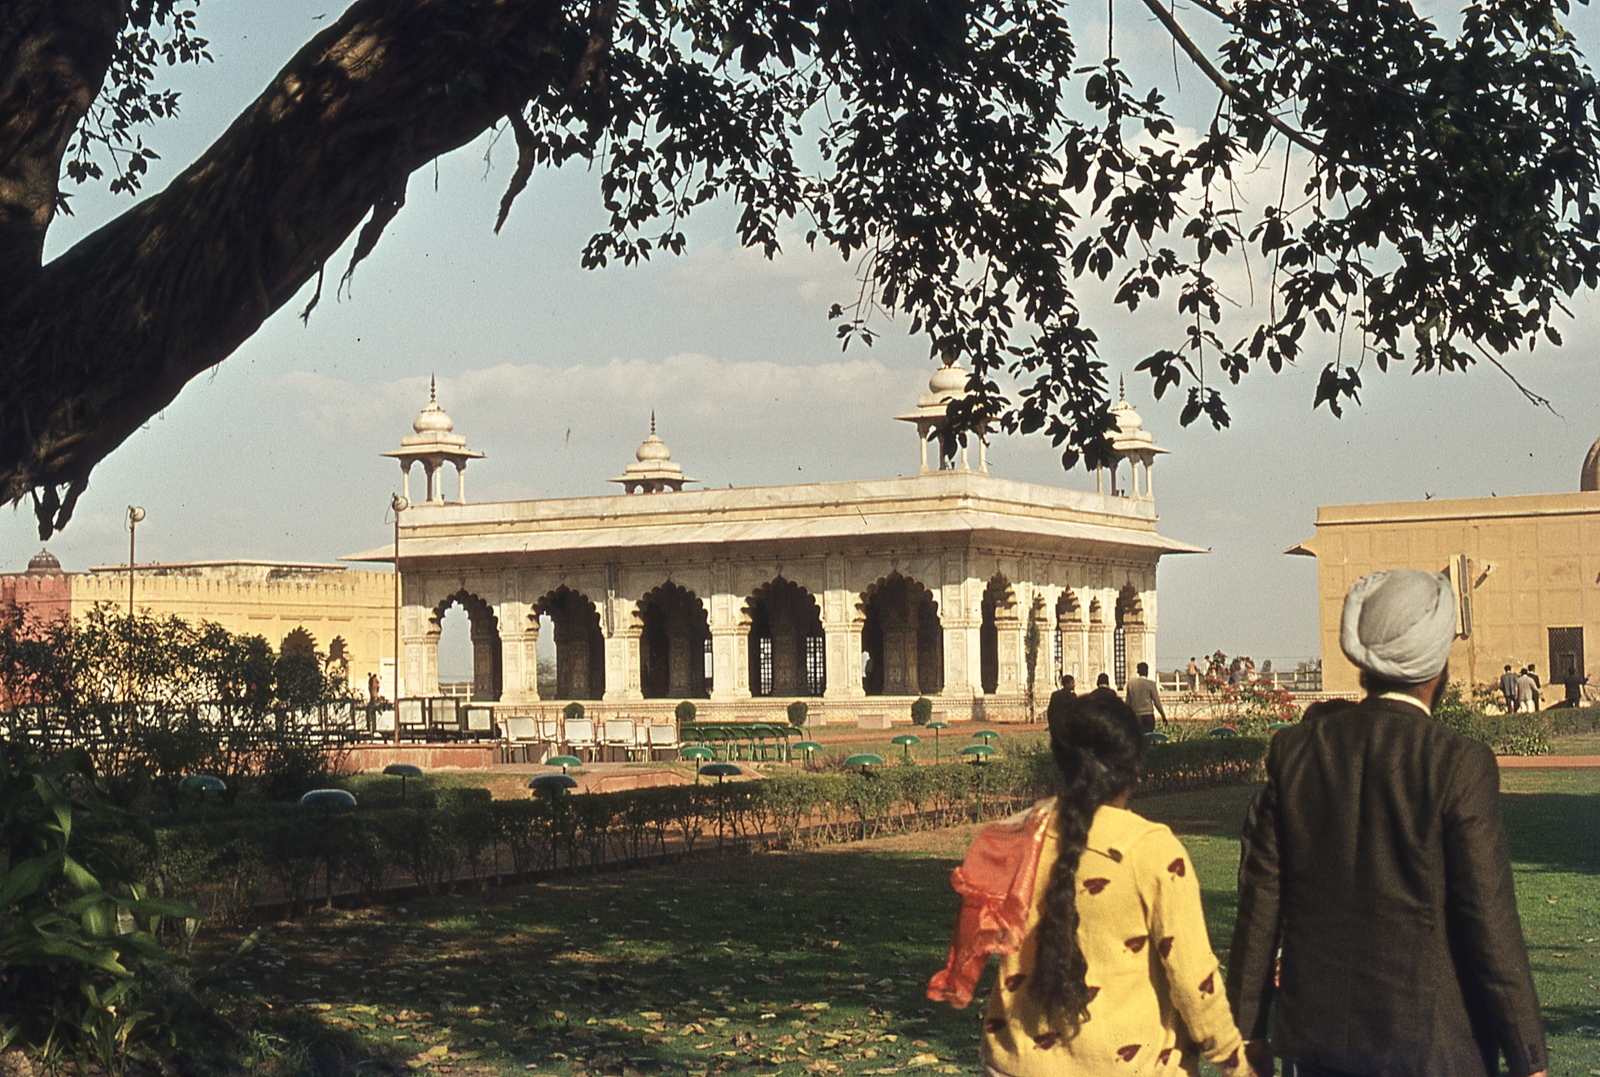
<point>1105,964</point>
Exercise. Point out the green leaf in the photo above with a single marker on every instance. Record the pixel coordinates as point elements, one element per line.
<point>158,906</point>
<point>78,875</point>
<point>26,878</point>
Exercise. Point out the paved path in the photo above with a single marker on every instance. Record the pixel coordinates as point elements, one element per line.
<point>1549,762</point>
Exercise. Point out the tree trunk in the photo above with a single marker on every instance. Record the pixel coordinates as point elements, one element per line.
<point>105,336</point>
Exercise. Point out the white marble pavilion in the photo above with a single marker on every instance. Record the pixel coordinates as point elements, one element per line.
<point>855,596</point>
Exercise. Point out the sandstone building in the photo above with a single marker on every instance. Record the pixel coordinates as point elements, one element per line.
<point>1527,571</point>
<point>348,612</point>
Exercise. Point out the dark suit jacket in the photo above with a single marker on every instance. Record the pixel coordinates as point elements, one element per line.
<point>1378,860</point>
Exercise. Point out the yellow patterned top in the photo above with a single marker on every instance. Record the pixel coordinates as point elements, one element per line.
<point>1158,999</point>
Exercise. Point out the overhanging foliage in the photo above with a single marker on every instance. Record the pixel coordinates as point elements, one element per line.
<point>974,162</point>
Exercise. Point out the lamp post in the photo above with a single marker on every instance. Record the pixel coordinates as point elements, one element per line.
<point>399,504</point>
<point>135,517</point>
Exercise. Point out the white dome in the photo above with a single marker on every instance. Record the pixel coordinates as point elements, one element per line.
<point>948,379</point>
<point>652,449</point>
<point>1128,421</point>
<point>433,420</point>
<point>433,426</point>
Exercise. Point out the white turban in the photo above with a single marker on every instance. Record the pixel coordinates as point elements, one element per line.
<point>1399,624</point>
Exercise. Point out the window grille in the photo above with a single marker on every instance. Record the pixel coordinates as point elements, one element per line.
<point>816,666</point>
<point>764,666</point>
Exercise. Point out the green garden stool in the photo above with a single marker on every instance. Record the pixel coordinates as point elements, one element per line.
<point>864,760</point>
<point>906,741</point>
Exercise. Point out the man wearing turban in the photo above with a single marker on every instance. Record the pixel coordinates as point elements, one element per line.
<point>1377,864</point>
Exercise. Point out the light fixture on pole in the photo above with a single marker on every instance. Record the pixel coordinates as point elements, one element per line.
<point>399,504</point>
<point>135,517</point>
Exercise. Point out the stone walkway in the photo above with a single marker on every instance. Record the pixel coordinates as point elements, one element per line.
<point>1549,762</point>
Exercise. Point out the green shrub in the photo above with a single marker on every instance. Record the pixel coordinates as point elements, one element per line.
<point>1507,734</point>
<point>1203,762</point>
<point>76,923</point>
<point>685,712</point>
<point>1566,721</point>
<point>573,712</point>
<point>797,713</point>
<point>922,711</point>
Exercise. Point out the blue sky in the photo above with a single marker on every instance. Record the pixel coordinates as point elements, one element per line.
<point>553,371</point>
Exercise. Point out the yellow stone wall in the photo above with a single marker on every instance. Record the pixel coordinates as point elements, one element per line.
<point>1542,557</point>
<point>264,600</point>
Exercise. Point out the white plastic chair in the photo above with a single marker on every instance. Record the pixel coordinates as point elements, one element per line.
<point>619,734</point>
<point>663,738</point>
<point>580,735</point>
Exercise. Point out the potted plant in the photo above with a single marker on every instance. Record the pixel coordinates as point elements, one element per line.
<point>922,711</point>
<point>685,712</point>
<point>797,713</point>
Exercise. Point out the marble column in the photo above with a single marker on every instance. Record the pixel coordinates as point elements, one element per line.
<point>519,639</point>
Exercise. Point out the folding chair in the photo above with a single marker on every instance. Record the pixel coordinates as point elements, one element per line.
<point>619,734</point>
<point>662,738</point>
<point>580,737</point>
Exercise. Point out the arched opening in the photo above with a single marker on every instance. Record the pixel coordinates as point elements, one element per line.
<point>580,648</point>
<point>999,604</point>
<point>675,645</point>
<point>1130,612</point>
<point>902,639</point>
<point>786,641</point>
<point>483,635</point>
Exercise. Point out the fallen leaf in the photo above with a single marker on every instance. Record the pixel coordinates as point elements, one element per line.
<point>924,1059</point>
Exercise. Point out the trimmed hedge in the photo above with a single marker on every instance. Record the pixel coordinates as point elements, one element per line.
<point>458,836</point>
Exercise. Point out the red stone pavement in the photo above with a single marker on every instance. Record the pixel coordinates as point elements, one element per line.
<point>1549,762</point>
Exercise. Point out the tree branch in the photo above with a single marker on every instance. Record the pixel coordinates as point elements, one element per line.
<point>53,58</point>
<point>109,333</point>
<point>1224,83</point>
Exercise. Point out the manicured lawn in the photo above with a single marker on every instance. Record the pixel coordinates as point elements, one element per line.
<point>780,963</point>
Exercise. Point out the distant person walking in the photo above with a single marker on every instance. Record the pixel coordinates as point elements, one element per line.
<point>1061,698</point>
<point>1194,675</point>
<point>1527,693</point>
<point>1377,865</point>
<point>1144,696</point>
<point>1574,685</point>
<point>1538,686</point>
<point>1508,689</point>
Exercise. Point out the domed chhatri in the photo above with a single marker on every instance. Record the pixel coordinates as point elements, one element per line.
<point>1130,441</point>
<point>433,425</point>
<point>42,563</point>
<point>932,417</point>
<point>433,443</point>
<point>653,470</point>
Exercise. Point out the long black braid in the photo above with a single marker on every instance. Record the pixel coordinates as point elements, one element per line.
<point>1099,750</point>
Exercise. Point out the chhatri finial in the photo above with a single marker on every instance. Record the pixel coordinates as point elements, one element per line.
<point>1122,388</point>
<point>652,420</point>
<point>433,389</point>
